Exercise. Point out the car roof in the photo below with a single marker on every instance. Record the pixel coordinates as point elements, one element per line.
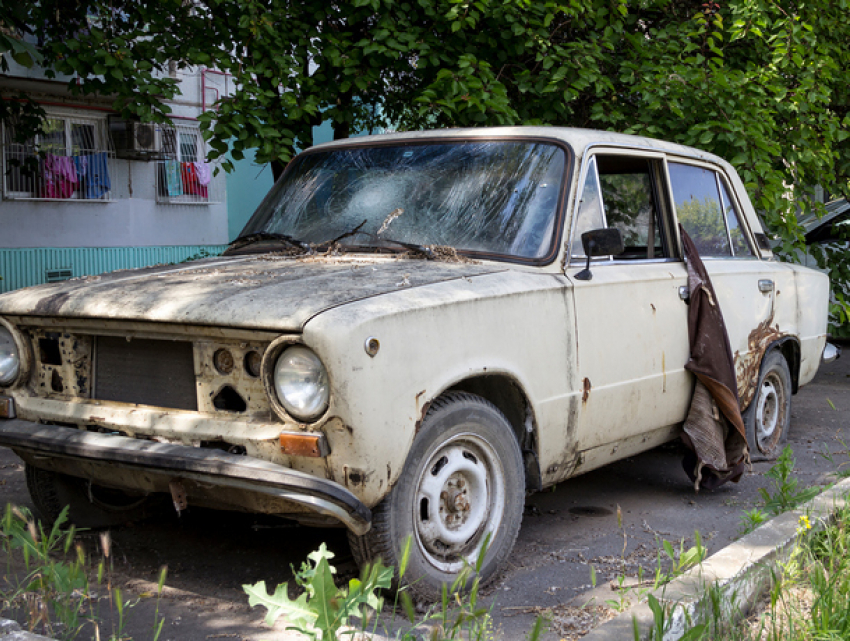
<point>580,140</point>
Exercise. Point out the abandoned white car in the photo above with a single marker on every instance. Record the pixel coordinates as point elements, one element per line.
<point>412,332</point>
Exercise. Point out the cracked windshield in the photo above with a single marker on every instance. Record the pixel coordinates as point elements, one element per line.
<point>486,197</point>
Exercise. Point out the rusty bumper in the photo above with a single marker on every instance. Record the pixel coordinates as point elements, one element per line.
<point>214,467</point>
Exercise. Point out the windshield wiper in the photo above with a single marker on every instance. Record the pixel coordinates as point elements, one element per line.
<point>414,247</point>
<point>352,232</point>
<point>257,237</point>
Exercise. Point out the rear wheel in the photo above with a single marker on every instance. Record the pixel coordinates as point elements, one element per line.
<point>89,505</point>
<point>463,482</point>
<point>768,417</point>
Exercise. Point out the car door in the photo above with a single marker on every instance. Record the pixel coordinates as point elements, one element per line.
<point>631,319</point>
<point>746,286</point>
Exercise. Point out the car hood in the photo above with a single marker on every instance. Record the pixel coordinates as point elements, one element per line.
<point>252,292</point>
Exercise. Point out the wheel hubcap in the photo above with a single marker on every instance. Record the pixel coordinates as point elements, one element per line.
<point>460,497</point>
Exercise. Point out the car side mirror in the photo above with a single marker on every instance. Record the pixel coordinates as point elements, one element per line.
<point>600,242</point>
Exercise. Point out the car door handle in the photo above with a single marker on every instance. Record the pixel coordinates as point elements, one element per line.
<point>685,293</point>
<point>765,286</point>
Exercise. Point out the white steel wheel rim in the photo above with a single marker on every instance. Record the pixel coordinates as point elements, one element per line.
<point>460,497</point>
<point>767,413</point>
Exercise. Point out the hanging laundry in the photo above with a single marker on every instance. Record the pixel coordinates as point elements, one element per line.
<point>60,177</point>
<point>191,184</point>
<point>81,163</point>
<point>173,184</point>
<point>204,173</point>
<point>95,183</point>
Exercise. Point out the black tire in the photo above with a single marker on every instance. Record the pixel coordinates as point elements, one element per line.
<point>768,417</point>
<point>464,450</point>
<point>90,506</point>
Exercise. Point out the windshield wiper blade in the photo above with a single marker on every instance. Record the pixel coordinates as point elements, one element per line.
<point>352,232</point>
<point>414,247</point>
<point>256,237</point>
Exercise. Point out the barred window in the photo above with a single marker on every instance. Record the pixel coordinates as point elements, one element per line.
<point>184,177</point>
<point>70,159</point>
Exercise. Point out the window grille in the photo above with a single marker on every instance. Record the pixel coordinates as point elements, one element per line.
<point>184,177</point>
<point>71,159</point>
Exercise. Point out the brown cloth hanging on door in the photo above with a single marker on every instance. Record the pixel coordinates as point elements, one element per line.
<point>714,429</point>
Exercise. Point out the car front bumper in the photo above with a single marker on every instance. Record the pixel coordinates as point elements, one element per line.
<point>204,466</point>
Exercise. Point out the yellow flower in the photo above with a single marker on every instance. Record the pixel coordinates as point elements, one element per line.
<point>805,524</point>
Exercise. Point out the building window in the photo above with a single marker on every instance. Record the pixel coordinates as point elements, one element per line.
<point>71,159</point>
<point>183,177</point>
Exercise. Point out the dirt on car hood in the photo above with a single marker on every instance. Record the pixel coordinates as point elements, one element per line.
<point>253,292</point>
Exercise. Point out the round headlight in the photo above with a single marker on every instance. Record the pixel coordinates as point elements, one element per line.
<point>10,359</point>
<point>301,383</point>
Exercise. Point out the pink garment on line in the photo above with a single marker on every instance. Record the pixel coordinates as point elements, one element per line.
<point>60,177</point>
<point>204,173</point>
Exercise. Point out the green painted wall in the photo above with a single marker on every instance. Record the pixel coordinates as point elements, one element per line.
<point>249,183</point>
<point>26,267</point>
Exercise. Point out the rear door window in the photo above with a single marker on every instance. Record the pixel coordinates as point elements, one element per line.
<point>707,213</point>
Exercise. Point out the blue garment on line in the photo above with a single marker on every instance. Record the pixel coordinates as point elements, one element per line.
<point>93,174</point>
<point>173,181</point>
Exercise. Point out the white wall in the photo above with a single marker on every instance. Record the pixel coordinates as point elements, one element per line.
<point>132,218</point>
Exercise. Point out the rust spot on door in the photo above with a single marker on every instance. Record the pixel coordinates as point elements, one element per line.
<point>747,366</point>
<point>585,390</point>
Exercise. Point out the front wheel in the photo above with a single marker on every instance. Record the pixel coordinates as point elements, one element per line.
<point>768,417</point>
<point>462,482</point>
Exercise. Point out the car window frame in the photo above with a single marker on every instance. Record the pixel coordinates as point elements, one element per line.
<point>719,175</point>
<point>564,193</point>
<point>656,159</point>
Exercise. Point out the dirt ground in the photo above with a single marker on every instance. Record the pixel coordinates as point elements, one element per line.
<point>210,555</point>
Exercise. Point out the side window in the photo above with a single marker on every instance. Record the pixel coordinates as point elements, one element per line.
<point>740,245</point>
<point>589,213</point>
<point>697,199</point>
<point>629,204</point>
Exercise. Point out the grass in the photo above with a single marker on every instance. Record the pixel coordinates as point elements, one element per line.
<point>810,596</point>
<point>53,588</point>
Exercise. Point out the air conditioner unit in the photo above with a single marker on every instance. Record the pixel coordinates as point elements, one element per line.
<point>135,139</point>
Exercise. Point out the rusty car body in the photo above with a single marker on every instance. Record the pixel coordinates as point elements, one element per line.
<point>407,337</point>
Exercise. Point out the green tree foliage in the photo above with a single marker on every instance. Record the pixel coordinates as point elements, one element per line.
<point>763,83</point>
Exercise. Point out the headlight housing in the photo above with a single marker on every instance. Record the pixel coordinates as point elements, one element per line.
<point>301,383</point>
<point>10,358</point>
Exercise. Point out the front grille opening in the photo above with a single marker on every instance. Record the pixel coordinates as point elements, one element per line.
<point>160,373</point>
<point>48,350</point>
<point>228,399</point>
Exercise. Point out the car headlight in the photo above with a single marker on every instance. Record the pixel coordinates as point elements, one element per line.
<point>301,383</point>
<point>10,358</point>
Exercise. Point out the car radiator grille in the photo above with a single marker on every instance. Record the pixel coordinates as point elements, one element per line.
<point>147,372</point>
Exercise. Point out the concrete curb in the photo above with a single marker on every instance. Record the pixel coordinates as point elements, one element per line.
<point>731,579</point>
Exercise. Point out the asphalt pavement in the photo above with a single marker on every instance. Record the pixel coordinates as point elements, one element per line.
<point>566,532</point>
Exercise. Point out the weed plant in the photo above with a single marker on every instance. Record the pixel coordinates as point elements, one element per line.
<point>782,494</point>
<point>54,594</point>
<point>326,611</point>
<point>809,598</point>
<point>810,595</point>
